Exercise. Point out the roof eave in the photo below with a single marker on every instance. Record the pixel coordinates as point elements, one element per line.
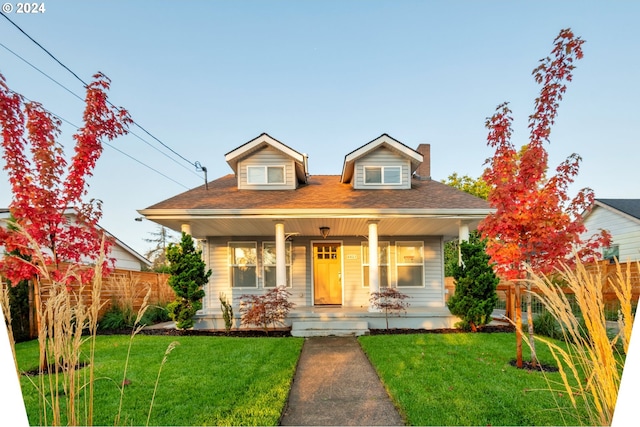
<point>320,212</point>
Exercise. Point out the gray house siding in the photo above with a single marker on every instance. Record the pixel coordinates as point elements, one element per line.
<point>385,158</point>
<point>267,157</point>
<point>355,293</point>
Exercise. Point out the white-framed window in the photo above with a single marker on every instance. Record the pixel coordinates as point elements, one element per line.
<point>383,175</point>
<point>265,175</point>
<point>243,264</point>
<point>269,264</point>
<point>410,264</point>
<point>383,264</point>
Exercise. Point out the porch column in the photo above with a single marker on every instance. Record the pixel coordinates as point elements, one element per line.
<point>463,236</point>
<point>281,255</point>
<point>374,271</point>
<point>186,228</point>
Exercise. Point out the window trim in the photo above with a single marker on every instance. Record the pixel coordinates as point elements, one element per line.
<point>288,263</point>
<point>231,265</point>
<point>382,170</point>
<point>405,264</point>
<point>365,247</point>
<point>266,168</point>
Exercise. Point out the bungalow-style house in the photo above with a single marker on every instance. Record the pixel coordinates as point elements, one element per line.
<point>125,257</point>
<point>621,217</point>
<point>332,240</point>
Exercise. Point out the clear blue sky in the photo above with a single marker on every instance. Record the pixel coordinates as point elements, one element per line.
<point>326,77</point>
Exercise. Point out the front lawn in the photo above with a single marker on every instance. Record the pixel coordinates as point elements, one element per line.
<point>435,379</point>
<point>205,381</point>
<point>466,379</point>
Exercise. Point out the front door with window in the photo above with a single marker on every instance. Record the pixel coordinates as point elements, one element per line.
<point>327,274</point>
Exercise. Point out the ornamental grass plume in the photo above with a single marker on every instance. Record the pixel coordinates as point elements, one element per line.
<point>591,362</point>
<point>67,312</point>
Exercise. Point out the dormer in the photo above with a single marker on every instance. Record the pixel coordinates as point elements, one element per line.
<point>383,163</point>
<point>264,163</point>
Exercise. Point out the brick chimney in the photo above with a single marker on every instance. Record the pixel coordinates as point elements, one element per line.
<point>423,173</point>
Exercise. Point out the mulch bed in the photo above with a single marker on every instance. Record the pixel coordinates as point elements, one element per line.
<point>286,332</point>
<point>51,368</point>
<point>485,329</point>
<point>203,332</point>
<point>541,367</point>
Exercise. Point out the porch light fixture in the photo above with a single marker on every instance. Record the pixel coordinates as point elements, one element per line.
<point>324,232</point>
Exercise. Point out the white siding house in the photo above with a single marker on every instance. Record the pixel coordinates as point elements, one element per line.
<point>331,240</point>
<point>621,217</point>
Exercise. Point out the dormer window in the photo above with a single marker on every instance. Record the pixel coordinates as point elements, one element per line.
<point>383,175</point>
<point>265,175</point>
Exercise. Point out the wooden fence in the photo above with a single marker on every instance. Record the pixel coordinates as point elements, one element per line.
<point>125,288</point>
<point>606,271</point>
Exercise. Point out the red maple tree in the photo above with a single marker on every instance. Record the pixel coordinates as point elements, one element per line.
<point>46,189</point>
<point>536,223</point>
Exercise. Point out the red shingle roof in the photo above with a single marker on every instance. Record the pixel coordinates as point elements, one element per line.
<point>322,192</point>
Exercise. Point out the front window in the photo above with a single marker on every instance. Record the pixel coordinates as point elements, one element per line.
<point>243,264</point>
<point>383,264</point>
<point>382,175</point>
<point>265,174</point>
<point>269,264</point>
<point>410,264</point>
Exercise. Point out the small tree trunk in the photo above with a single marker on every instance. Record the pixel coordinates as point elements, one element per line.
<point>518,325</point>
<point>532,343</point>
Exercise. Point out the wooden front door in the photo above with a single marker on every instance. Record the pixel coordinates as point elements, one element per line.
<point>327,273</point>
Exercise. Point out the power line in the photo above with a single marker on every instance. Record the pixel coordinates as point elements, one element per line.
<point>106,143</point>
<point>194,164</point>
<point>43,73</point>
<point>81,99</point>
<point>42,47</point>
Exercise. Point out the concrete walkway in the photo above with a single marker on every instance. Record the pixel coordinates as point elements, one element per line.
<point>334,385</point>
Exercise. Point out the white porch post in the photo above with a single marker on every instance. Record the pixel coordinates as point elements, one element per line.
<point>186,228</point>
<point>374,271</point>
<point>463,235</point>
<point>281,255</point>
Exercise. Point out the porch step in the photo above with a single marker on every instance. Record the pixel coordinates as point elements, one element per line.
<point>329,328</point>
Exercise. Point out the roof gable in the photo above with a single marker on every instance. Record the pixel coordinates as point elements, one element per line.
<point>262,141</point>
<point>627,207</point>
<point>383,140</point>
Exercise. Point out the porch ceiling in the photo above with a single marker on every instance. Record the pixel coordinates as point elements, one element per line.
<point>442,224</point>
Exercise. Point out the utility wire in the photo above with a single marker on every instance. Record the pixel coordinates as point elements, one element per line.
<point>105,143</point>
<point>194,164</point>
<point>81,99</point>
<point>42,47</point>
<point>43,73</point>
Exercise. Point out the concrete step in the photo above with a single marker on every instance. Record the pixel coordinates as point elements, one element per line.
<point>327,328</point>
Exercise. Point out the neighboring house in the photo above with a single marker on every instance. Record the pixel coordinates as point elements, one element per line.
<point>621,217</point>
<point>332,240</point>
<point>125,257</point>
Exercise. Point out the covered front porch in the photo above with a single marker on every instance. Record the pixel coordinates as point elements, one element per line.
<point>339,321</point>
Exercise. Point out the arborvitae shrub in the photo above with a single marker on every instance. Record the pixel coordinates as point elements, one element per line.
<point>475,296</point>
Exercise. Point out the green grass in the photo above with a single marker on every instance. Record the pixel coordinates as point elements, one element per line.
<point>205,381</point>
<point>435,379</point>
<point>466,379</point>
